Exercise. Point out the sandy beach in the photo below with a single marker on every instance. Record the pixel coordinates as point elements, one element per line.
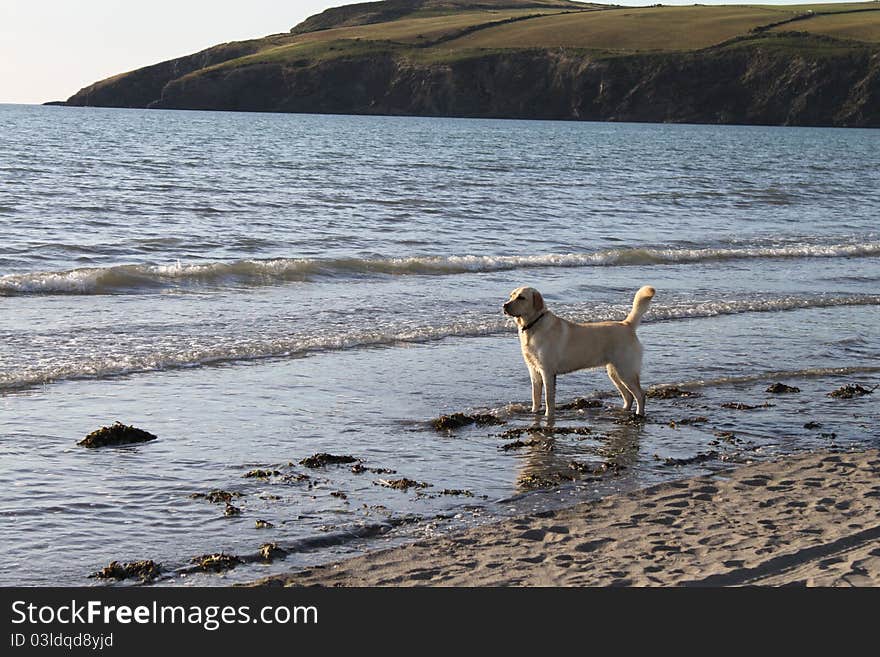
<point>807,520</point>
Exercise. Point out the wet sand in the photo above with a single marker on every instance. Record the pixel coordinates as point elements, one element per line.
<point>810,519</point>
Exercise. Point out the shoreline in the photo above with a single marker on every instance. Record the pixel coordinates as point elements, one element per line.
<point>810,520</point>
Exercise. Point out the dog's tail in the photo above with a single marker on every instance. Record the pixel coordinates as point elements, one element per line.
<point>640,306</point>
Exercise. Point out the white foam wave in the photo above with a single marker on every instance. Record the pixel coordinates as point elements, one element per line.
<point>144,278</point>
<point>149,358</point>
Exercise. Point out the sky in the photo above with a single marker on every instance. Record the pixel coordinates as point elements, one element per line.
<point>50,49</point>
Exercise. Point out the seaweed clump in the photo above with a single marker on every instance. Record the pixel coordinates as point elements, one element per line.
<point>269,551</point>
<point>458,420</point>
<point>670,393</point>
<point>781,389</point>
<point>849,391</point>
<point>533,481</point>
<point>216,562</point>
<point>580,404</point>
<point>261,474</point>
<point>546,445</point>
<point>596,469</point>
<point>146,570</point>
<point>116,434</point>
<point>217,496</point>
<point>739,406</point>
<point>702,457</point>
<point>323,458</point>
<point>402,484</point>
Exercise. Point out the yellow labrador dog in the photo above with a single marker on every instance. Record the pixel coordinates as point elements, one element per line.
<point>552,345</point>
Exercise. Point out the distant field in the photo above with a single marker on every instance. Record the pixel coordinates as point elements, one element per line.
<point>862,26</point>
<point>421,28</point>
<point>613,30</point>
<point>629,29</point>
<point>358,40</point>
<point>826,8</point>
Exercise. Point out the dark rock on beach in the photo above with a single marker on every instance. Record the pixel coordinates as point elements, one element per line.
<point>116,434</point>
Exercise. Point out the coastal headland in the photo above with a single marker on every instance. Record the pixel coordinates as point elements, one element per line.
<point>808,65</point>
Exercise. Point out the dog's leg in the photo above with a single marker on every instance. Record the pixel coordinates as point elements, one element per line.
<point>549,395</point>
<point>640,397</point>
<point>632,383</point>
<point>621,388</point>
<point>537,386</point>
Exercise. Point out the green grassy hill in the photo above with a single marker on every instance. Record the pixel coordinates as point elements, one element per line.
<point>367,57</point>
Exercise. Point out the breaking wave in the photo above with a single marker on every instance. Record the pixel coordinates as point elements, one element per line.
<point>134,279</point>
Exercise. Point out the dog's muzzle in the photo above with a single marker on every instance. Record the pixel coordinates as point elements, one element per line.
<point>506,308</point>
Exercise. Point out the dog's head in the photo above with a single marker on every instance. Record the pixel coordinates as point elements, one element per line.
<point>524,302</point>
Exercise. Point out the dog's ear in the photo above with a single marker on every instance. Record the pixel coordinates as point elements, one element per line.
<point>538,301</point>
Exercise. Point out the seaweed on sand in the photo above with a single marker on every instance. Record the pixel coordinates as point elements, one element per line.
<point>116,434</point>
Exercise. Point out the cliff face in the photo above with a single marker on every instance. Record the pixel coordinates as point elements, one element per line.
<point>144,86</point>
<point>746,85</point>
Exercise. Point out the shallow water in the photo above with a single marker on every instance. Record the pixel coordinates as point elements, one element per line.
<point>258,288</point>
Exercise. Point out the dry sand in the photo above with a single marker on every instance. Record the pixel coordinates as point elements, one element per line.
<point>810,520</point>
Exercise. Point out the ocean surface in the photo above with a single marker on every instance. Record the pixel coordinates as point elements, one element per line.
<point>255,289</point>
